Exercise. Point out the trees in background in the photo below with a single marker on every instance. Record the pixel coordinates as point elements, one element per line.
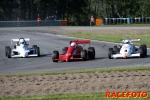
<point>76,11</point>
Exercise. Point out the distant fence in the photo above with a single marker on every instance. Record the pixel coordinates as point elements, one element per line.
<point>126,20</point>
<point>99,21</point>
<point>30,23</point>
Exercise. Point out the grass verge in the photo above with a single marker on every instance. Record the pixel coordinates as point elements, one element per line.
<point>83,71</point>
<point>145,38</point>
<point>72,96</point>
<point>75,96</point>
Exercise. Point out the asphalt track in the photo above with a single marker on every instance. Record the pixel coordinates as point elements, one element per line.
<point>48,41</point>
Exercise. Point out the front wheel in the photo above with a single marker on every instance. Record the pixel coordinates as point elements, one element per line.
<point>37,50</point>
<point>9,52</point>
<point>6,49</point>
<point>145,49</point>
<point>34,47</point>
<point>55,56</point>
<point>141,49</point>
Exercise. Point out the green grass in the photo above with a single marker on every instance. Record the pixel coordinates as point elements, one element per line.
<point>70,96</point>
<point>145,38</point>
<point>83,71</point>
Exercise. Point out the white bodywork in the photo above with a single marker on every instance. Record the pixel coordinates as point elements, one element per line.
<point>127,50</point>
<point>22,50</point>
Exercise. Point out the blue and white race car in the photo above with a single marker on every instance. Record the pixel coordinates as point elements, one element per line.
<point>21,49</point>
<point>127,49</point>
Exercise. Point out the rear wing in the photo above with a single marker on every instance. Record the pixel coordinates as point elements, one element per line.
<point>80,41</point>
<point>131,40</point>
<point>16,40</point>
<point>135,40</point>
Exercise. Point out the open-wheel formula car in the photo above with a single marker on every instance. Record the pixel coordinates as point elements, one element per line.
<point>21,49</point>
<point>75,52</point>
<point>127,49</point>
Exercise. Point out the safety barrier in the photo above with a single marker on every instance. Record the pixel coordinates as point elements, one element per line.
<point>99,21</point>
<point>29,23</point>
<point>64,23</point>
<point>126,20</point>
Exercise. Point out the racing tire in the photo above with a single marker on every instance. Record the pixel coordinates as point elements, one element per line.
<point>9,52</point>
<point>55,56</point>
<point>64,50</point>
<point>84,55</point>
<point>34,47</point>
<point>116,49</point>
<point>15,46</point>
<point>6,49</point>
<point>110,52</point>
<point>91,52</point>
<point>145,49</point>
<point>141,50</point>
<point>37,50</point>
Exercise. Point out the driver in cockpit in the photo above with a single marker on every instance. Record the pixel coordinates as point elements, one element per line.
<point>78,48</point>
<point>126,42</point>
<point>21,41</point>
<point>73,44</point>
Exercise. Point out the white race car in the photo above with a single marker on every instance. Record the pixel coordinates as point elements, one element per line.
<point>21,49</point>
<point>127,49</point>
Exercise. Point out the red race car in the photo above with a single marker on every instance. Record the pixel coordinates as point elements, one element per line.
<point>74,52</point>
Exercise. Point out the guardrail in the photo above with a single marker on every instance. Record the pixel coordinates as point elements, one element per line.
<point>30,23</point>
<point>104,21</point>
<point>126,20</point>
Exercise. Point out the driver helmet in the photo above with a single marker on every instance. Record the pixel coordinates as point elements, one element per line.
<point>73,44</point>
<point>21,41</point>
<point>126,41</point>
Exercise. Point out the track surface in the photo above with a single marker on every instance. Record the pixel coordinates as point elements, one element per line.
<point>48,41</point>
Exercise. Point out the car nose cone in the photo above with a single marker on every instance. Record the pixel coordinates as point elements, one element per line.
<point>124,56</point>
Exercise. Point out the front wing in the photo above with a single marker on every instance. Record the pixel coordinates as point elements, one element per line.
<point>31,55</point>
<point>121,56</point>
<point>63,58</point>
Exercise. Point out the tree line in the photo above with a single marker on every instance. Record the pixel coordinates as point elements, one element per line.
<point>77,12</point>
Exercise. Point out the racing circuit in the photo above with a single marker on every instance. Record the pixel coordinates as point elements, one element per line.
<point>48,41</point>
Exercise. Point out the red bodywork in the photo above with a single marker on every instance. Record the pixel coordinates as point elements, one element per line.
<point>72,52</point>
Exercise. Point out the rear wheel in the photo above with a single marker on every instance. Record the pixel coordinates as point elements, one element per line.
<point>84,55</point>
<point>110,52</point>
<point>141,49</point>
<point>91,52</point>
<point>55,56</point>
<point>34,47</point>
